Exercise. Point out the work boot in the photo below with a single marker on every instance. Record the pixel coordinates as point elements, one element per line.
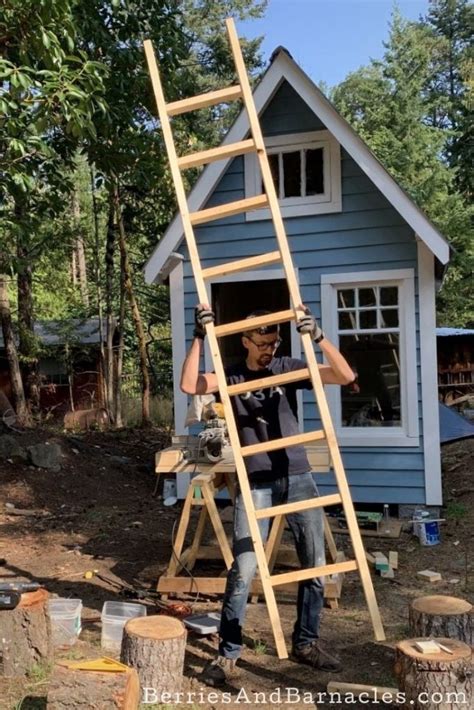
<point>312,654</point>
<point>219,671</point>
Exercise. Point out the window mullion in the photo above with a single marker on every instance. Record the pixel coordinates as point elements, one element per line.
<point>303,172</point>
<point>282,176</point>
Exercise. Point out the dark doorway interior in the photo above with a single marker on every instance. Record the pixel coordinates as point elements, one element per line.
<point>234,301</point>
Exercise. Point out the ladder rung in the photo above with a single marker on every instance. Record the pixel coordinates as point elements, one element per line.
<point>302,574</point>
<point>275,444</point>
<point>232,266</point>
<point>239,326</point>
<point>263,382</point>
<point>221,96</point>
<point>228,209</point>
<point>210,156</point>
<point>287,508</point>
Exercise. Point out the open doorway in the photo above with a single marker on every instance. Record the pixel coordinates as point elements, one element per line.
<point>235,300</point>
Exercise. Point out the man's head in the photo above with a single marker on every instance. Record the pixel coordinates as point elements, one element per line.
<point>261,343</point>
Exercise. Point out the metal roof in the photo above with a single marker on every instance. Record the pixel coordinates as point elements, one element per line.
<point>449,332</point>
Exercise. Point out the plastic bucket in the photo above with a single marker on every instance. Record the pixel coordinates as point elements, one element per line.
<point>65,615</point>
<point>114,617</point>
<point>429,532</point>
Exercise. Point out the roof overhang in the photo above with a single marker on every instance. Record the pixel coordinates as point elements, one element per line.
<point>282,68</point>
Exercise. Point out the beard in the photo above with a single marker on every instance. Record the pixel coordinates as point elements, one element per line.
<point>264,360</point>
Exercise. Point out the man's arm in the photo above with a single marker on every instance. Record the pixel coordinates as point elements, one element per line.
<point>338,370</point>
<point>192,381</point>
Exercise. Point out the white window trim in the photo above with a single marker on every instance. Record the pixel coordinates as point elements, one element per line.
<point>330,201</point>
<point>408,434</point>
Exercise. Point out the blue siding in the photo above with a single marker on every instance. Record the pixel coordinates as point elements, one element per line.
<point>368,235</point>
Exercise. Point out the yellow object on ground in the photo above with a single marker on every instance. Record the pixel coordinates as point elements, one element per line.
<point>102,665</point>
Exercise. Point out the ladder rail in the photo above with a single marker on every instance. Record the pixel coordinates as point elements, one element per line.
<point>215,353</point>
<point>307,343</point>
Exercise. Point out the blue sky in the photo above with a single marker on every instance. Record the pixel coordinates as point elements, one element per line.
<point>329,38</point>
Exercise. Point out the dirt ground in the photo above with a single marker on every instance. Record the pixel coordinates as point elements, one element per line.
<point>101,515</point>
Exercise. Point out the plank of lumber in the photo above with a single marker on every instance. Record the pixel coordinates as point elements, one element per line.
<point>370,692</point>
<point>393,559</point>
<point>429,575</point>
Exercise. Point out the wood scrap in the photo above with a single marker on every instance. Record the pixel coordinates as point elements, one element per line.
<point>429,575</point>
<point>370,692</point>
<point>393,559</point>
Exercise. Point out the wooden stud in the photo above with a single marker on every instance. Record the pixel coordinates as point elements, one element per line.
<point>272,381</point>
<point>209,156</point>
<point>221,96</point>
<point>231,267</point>
<point>275,444</point>
<point>228,209</point>
<point>288,508</point>
<point>309,573</point>
<point>240,326</point>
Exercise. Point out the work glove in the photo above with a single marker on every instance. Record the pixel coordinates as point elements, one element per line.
<point>202,316</point>
<point>309,324</point>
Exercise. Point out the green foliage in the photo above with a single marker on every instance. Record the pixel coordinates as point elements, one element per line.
<point>399,107</point>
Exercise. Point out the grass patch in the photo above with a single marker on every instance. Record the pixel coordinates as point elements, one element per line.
<point>456,511</point>
<point>161,411</point>
<point>259,647</point>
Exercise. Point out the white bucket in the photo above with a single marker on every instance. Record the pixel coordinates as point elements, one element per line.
<point>65,615</point>
<point>426,530</point>
<point>114,617</point>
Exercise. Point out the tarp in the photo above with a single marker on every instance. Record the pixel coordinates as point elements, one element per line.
<point>453,425</point>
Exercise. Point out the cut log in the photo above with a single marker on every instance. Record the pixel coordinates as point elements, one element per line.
<point>91,690</point>
<point>439,615</point>
<point>435,681</point>
<point>25,635</point>
<point>155,646</point>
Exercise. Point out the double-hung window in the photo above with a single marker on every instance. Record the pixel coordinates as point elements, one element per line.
<point>371,317</point>
<point>306,173</point>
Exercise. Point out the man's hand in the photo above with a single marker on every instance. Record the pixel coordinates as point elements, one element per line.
<point>203,314</point>
<point>309,324</point>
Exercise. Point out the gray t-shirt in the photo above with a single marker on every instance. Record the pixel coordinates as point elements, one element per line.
<point>266,414</point>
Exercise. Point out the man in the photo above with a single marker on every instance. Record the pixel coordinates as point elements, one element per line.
<point>276,477</point>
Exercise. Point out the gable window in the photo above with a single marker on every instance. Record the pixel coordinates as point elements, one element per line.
<point>306,172</point>
<point>372,320</point>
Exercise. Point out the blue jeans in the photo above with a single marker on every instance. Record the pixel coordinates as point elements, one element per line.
<point>307,527</point>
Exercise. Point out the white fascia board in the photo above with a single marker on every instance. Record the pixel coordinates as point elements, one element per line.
<point>283,67</point>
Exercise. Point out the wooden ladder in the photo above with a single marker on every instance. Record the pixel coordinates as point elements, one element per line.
<point>266,200</point>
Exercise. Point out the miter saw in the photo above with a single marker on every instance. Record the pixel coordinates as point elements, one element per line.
<point>213,439</point>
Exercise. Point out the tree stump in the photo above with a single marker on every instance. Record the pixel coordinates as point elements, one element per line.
<point>442,616</point>
<point>25,635</point>
<point>92,690</point>
<point>155,646</point>
<point>435,681</point>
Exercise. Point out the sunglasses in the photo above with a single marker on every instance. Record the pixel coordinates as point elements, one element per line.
<point>261,347</point>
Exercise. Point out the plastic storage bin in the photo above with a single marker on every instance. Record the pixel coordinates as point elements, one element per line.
<point>114,617</point>
<point>65,615</point>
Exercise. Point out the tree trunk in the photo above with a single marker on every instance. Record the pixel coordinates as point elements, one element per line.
<point>137,321</point>
<point>435,681</point>
<point>109,287</point>
<point>442,616</point>
<point>120,348</point>
<point>71,689</point>
<point>27,346</point>
<point>79,256</point>
<point>12,355</point>
<point>25,635</point>
<point>97,274</point>
<point>155,646</point>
